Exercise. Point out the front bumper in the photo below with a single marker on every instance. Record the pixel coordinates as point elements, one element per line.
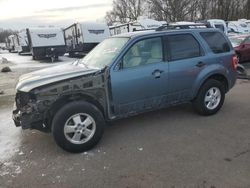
<point>28,120</point>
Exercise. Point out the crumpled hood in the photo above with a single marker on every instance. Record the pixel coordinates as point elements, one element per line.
<point>46,76</point>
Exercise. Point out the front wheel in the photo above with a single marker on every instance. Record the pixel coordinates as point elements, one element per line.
<point>78,126</point>
<point>210,98</point>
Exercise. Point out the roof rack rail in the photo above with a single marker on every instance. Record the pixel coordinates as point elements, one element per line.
<point>183,26</point>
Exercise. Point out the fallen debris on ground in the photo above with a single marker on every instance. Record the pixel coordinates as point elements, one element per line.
<point>6,69</point>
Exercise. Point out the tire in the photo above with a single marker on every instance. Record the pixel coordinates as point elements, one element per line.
<point>71,54</point>
<point>201,103</point>
<point>80,111</point>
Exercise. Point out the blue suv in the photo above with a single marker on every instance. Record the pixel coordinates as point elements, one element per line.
<point>123,76</point>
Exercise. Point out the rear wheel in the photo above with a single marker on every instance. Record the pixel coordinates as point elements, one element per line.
<point>210,98</point>
<point>78,126</point>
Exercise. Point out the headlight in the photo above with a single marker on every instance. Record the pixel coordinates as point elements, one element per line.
<point>23,98</point>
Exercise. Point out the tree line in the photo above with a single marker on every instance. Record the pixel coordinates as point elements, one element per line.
<point>178,10</point>
<point>4,33</point>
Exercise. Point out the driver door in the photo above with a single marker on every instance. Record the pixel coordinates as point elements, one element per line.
<point>141,83</point>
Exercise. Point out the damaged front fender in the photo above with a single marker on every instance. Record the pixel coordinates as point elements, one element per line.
<point>36,112</point>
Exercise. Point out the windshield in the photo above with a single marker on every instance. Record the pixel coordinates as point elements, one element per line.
<point>104,53</point>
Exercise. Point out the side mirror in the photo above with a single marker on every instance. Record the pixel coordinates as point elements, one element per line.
<point>118,66</point>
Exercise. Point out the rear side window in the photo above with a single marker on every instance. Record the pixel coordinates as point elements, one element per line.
<point>183,46</point>
<point>216,41</point>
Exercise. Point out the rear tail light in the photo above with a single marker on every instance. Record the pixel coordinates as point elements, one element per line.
<point>235,62</point>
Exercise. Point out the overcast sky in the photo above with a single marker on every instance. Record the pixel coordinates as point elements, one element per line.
<point>18,14</point>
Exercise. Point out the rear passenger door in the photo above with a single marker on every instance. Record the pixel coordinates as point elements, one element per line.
<point>186,60</point>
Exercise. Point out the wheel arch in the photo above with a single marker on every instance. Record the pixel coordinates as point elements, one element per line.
<point>63,100</point>
<point>216,76</point>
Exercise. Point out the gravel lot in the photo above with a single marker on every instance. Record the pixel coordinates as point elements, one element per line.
<point>168,148</point>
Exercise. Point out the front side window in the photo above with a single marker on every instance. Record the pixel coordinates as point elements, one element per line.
<point>183,46</point>
<point>144,52</point>
<point>216,41</point>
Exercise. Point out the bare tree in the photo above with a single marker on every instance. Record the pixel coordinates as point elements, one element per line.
<point>5,33</point>
<point>174,10</point>
<point>125,10</point>
<point>179,10</point>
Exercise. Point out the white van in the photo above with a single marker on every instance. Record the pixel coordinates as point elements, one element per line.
<point>46,42</point>
<point>83,37</point>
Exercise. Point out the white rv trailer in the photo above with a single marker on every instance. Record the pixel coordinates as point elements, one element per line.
<point>83,37</point>
<point>23,43</point>
<point>125,28</point>
<point>46,42</point>
<point>12,43</point>
<point>2,46</point>
<point>141,24</point>
<point>9,43</point>
<point>238,27</point>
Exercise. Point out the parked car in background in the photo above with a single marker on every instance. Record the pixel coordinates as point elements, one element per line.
<point>125,75</point>
<point>241,46</point>
<point>46,42</point>
<point>83,37</point>
<point>238,27</point>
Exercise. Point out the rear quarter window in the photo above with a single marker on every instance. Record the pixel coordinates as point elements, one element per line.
<point>216,41</point>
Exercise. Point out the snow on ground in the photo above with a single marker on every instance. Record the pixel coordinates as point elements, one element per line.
<point>10,136</point>
<point>26,61</point>
<point>21,64</point>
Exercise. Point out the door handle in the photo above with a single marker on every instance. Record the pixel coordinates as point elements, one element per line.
<point>200,64</point>
<point>157,73</point>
